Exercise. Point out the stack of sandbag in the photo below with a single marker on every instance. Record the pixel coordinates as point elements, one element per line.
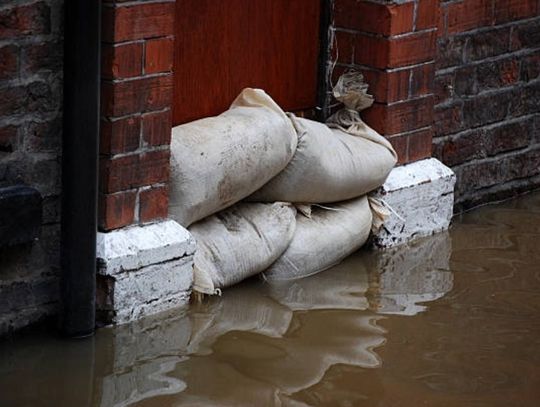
<point>303,183</point>
<point>217,161</point>
<point>332,170</point>
<point>239,242</point>
<point>330,165</point>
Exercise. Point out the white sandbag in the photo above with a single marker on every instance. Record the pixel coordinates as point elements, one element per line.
<point>323,240</point>
<point>240,242</point>
<point>217,161</point>
<point>330,165</point>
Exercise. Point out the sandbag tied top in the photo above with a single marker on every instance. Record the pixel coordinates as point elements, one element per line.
<point>217,161</point>
<point>324,239</point>
<point>240,242</point>
<point>330,165</point>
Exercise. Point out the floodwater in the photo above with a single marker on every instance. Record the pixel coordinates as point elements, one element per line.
<point>451,320</point>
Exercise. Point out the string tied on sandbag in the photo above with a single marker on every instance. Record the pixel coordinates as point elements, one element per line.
<point>381,211</point>
<point>352,91</point>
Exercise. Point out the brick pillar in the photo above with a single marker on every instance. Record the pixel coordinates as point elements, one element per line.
<point>394,45</point>
<point>137,41</point>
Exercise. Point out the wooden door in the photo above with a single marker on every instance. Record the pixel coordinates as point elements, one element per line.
<point>223,46</point>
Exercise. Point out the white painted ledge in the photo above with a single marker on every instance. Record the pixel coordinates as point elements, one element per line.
<point>143,270</point>
<point>134,247</point>
<point>422,196</point>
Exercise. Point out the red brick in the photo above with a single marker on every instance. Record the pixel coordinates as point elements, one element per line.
<point>380,52</point>
<point>157,128</point>
<point>441,20</point>
<point>120,136</point>
<point>400,117</point>
<point>469,14</point>
<point>121,61</point>
<point>9,62</point>
<point>154,204</point>
<point>448,120</point>
<point>462,147</point>
<point>420,145</point>
<point>139,21</point>
<point>422,80</point>
<point>510,10</point>
<point>388,86</point>
<point>36,96</point>
<point>401,145</point>
<point>386,19</point>
<point>25,20</point>
<point>498,74</point>
<point>154,167</point>
<point>412,49</point>
<point>42,56</point>
<point>489,43</point>
<point>138,95</point>
<point>427,14</point>
<point>508,136</point>
<point>116,210</point>
<point>159,55</point>
<point>371,51</point>
<point>343,47</point>
<point>119,174</point>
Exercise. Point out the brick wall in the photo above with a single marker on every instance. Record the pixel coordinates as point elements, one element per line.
<point>394,46</point>
<point>488,97</point>
<point>459,78</point>
<point>30,139</point>
<point>136,102</point>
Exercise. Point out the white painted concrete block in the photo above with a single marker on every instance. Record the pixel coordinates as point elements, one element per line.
<point>422,196</point>
<point>134,247</point>
<point>143,270</point>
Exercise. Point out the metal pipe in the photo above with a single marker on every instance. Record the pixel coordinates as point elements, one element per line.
<point>80,166</point>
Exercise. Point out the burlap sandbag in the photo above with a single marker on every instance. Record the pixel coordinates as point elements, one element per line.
<point>217,161</point>
<point>324,239</point>
<point>240,242</point>
<point>330,165</point>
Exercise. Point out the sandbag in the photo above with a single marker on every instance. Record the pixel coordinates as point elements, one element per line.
<point>324,239</point>
<point>330,165</point>
<point>239,242</point>
<point>217,161</point>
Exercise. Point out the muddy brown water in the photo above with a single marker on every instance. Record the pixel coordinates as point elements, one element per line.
<point>451,320</point>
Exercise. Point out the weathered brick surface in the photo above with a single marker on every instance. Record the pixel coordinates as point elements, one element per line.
<point>30,143</point>
<point>25,20</point>
<point>137,21</point>
<point>386,19</point>
<point>117,210</point>
<point>488,96</point>
<point>136,104</point>
<point>158,56</point>
<point>154,204</point>
<point>394,45</point>
<point>122,61</point>
<point>466,74</point>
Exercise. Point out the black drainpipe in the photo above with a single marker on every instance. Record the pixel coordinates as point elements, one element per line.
<point>82,22</point>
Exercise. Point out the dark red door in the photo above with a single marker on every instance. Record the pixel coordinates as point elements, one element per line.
<point>223,46</point>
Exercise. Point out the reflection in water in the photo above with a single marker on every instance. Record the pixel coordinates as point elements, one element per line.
<point>411,274</point>
<point>450,320</point>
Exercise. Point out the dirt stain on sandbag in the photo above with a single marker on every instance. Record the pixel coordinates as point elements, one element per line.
<point>230,220</point>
